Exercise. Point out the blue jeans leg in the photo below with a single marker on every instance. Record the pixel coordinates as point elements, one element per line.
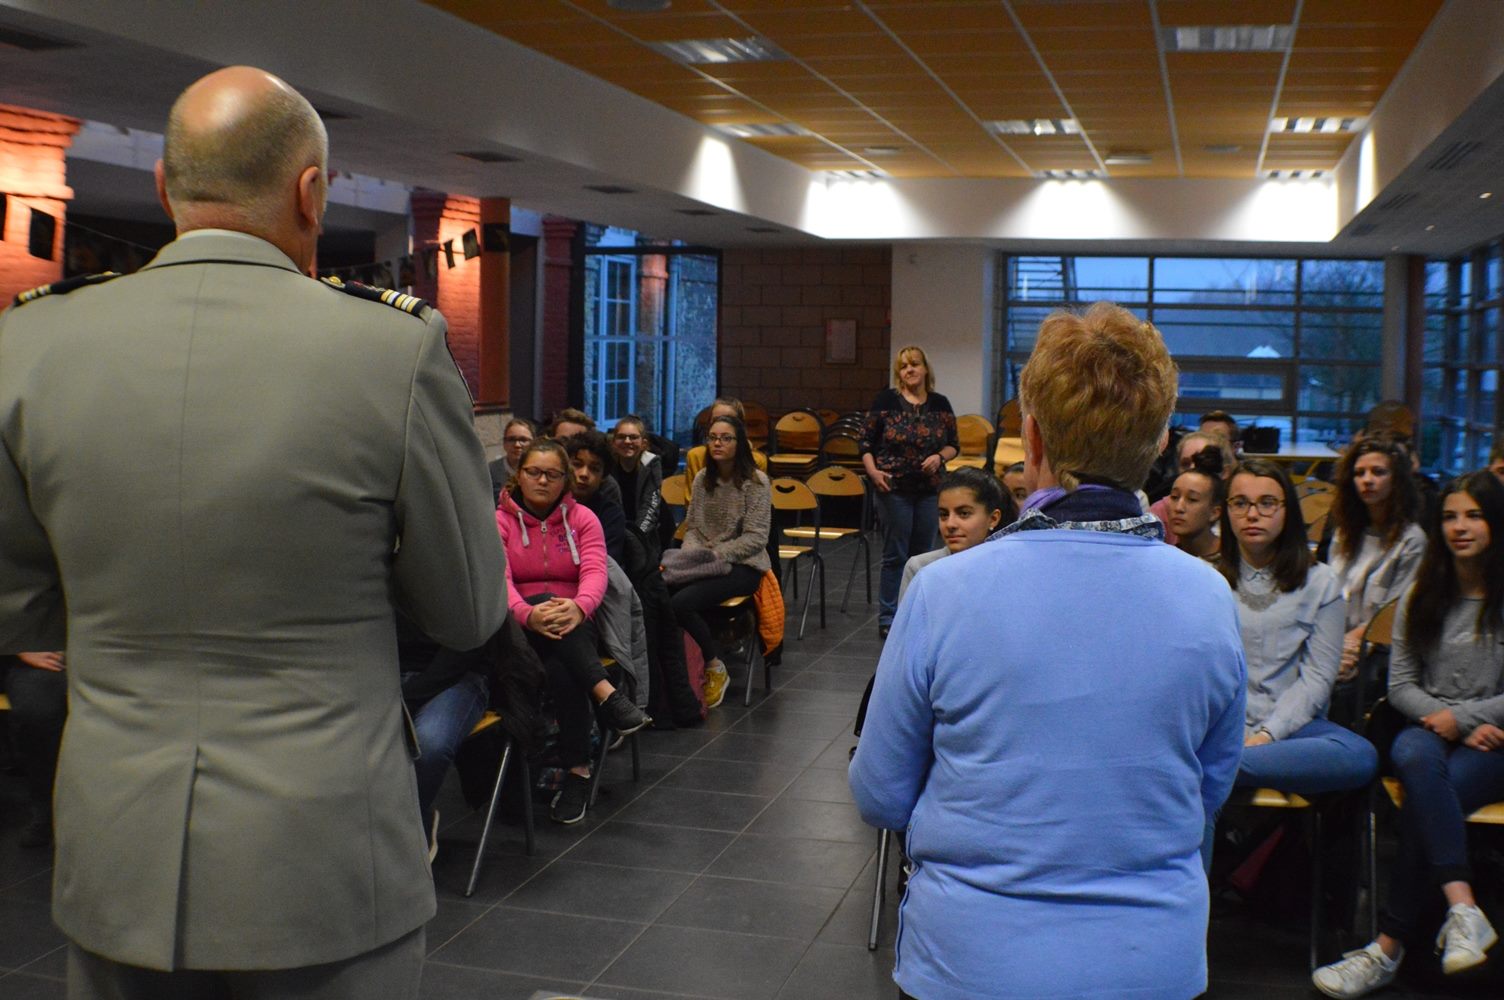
<point>1318,757</point>
<point>443,722</point>
<point>910,526</point>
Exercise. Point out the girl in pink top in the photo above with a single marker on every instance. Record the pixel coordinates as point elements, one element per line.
<point>556,578</point>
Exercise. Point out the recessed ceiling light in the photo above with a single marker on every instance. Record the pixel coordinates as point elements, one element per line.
<point>1295,175</point>
<point>1127,159</point>
<point>760,130</point>
<point>1222,148</point>
<point>886,151</point>
<point>1036,126</point>
<point>1486,194</point>
<point>1395,247</point>
<point>1068,175</point>
<point>702,51</point>
<point>486,156</point>
<point>1325,125</point>
<point>1430,227</point>
<point>609,189</point>
<point>639,6</point>
<point>1227,38</point>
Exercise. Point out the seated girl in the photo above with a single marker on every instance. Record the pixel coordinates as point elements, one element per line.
<point>1446,676</point>
<point>730,510</point>
<point>1186,450</point>
<point>556,578</point>
<point>1290,612</point>
<point>971,506</point>
<point>1195,505</point>
<point>1376,544</point>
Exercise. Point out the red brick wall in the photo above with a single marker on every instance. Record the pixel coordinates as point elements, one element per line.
<point>558,273</point>
<point>774,304</point>
<point>33,174</point>
<point>455,293</point>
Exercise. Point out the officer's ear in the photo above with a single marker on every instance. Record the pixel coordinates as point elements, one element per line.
<point>311,197</point>
<point>161,178</point>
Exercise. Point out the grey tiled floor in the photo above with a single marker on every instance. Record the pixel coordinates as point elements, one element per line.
<point>737,869</point>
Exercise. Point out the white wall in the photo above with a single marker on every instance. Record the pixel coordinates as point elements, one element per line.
<point>942,301</point>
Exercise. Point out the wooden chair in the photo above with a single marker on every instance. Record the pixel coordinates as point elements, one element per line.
<point>1010,419</point>
<point>792,495</point>
<point>842,447</point>
<point>1316,505</point>
<point>830,483</point>
<point>1269,798</point>
<point>741,614</point>
<point>758,424</point>
<point>827,416</point>
<point>973,432</point>
<point>508,751</point>
<point>796,442</point>
<point>675,491</point>
<point>1310,486</point>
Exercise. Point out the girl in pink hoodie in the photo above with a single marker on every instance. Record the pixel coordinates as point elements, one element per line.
<point>556,578</point>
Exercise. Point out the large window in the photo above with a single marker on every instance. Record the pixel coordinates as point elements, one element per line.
<point>650,313</point>
<point>1460,375</point>
<point>1288,343</point>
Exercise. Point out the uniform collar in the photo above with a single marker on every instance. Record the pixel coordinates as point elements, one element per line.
<point>222,246</point>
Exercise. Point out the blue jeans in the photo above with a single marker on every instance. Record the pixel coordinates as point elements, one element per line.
<point>911,525</point>
<point>1443,783</point>
<point>443,722</point>
<point>1318,757</point>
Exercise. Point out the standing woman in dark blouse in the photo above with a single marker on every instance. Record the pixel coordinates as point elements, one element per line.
<point>910,435</point>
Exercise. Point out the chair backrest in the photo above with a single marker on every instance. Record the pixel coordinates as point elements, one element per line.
<point>833,481</point>
<point>1010,419</point>
<point>827,415</point>
<point>1315,506</point>
<point>1310,486</point>
<point>675,490</point>
<point>842,447</point>
<point>1006,451</point>
<point>1314,529</point>
<point>1380,630</point>
<point>798,431</point>
<point>973,430</point>
<point>791,494</point>
<point>757,423</point>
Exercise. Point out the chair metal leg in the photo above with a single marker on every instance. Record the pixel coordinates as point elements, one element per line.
<point>821,564</point>
<point>808,594</point>
<point>850,579</point>
<point>754,647</point>
<point>867,565</point>
<point>485,830</point>
<point>527,801</point>
<point>599,766</point>
<point>1373,863</point>
<point>884,838</point>
<point>1316,886</point>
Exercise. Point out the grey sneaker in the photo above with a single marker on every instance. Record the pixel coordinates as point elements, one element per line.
<point>621,715</point>
<point>1464,938</point>
<point>573,799</point>
<point>1358,974</point>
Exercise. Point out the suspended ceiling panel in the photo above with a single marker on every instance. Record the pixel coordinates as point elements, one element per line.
<point>909,87</point>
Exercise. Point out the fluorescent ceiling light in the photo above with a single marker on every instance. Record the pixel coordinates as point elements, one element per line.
<point>1294,175</point>
<point>1326,125</point>
<point>854,175</point>
<point>700,51</point>
<point>1127,159</point>
<point>881,150</point>
<point>1228,38</point>
<point>1222,148</point>
<point>1068,175</point>
<point>1036,126</point>
<point>761,130</point>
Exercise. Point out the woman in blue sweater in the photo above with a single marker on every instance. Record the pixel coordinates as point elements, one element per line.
<point>1053,758</point>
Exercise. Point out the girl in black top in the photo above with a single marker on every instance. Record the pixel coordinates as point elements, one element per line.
<point>910,435</point>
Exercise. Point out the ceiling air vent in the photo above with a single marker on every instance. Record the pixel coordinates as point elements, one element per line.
<point>695,211</point>
<point>486,156</point>
<point>1454,155</point>
<point>609,189</point>
<point>15,38</point>
<point>1397,201</point>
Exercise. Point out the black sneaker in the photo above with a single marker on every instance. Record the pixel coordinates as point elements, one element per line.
<point>623,716</point>
<point>573,799</point>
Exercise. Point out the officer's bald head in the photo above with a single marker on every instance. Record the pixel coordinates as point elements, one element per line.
<point>236,142</point>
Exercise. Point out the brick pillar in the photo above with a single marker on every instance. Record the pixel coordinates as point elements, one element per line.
<point>454,292</point>
<point>33,176</point>
<point>559,236</point>
<point>495,309</point>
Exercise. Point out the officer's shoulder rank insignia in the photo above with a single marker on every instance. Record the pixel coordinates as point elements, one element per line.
<point>401,301</point>
<point>64,287</point>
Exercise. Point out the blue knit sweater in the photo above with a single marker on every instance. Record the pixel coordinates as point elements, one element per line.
<point>1053,757</point>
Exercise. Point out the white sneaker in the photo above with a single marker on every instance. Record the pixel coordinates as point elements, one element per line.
<point>1464,938</point>
<point>1358,974</point>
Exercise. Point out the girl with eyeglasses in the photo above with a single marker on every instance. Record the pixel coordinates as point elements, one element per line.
<point>1376,543</point>
<point>730,510</point>
<point>1446,677</point>
<point>556,579</point>
<point>1290,614</point>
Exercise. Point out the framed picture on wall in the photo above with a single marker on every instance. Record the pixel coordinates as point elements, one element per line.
<point>840,342</point>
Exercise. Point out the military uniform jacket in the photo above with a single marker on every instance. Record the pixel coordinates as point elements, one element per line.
<point>231,474</point>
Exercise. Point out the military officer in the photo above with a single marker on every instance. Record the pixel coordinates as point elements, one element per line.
<point>219,478</point>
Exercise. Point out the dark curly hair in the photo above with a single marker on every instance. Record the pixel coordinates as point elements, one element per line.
<point>1350,514</point>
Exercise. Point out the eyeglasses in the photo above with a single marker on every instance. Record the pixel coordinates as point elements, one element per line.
<point>518,440</point>
<point>1266,505</point>
<point>546,475</point>
<point>720,438</point>
<point>629,437</point>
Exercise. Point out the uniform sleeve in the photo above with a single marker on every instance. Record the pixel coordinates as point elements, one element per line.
<point>32,613</point>
<point>897,746</point>
<point>1407,669</point>
<point>757,516</point>
<point>591,542</point>
<point>449,569</point>
<point>1316,666</point>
